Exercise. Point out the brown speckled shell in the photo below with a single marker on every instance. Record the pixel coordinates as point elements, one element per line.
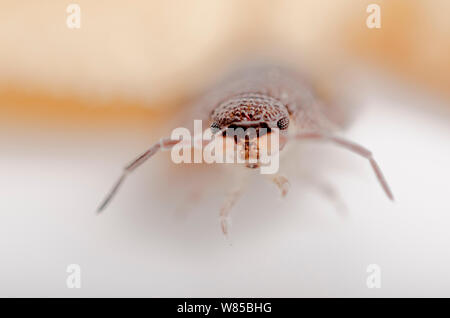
<point>248,107</point>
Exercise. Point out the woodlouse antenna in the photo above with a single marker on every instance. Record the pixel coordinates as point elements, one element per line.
<point>354,147</point>
<point>164,143</point>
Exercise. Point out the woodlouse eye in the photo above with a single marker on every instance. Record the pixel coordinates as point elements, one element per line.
<point>283,123</point>
<point>215,127</point>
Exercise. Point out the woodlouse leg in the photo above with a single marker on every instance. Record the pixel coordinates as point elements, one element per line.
<point>163,144</point>
<point>282,183</point>
<point>327,190</point>
<point>354,147</point>
<point>331,194</point>
<point>225,220</point>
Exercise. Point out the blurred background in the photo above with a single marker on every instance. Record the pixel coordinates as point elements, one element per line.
<point>77,104</point>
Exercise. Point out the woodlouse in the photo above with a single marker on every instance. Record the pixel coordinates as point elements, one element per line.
<point>269,97</point>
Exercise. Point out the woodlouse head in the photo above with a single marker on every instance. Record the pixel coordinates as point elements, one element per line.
<point>249,119</point>
<point>250,110</point>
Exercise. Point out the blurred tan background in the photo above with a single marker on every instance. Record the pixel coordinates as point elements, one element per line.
<point>157,54</point>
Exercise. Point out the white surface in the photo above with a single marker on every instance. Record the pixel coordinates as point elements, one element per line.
<point>294,247</point>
